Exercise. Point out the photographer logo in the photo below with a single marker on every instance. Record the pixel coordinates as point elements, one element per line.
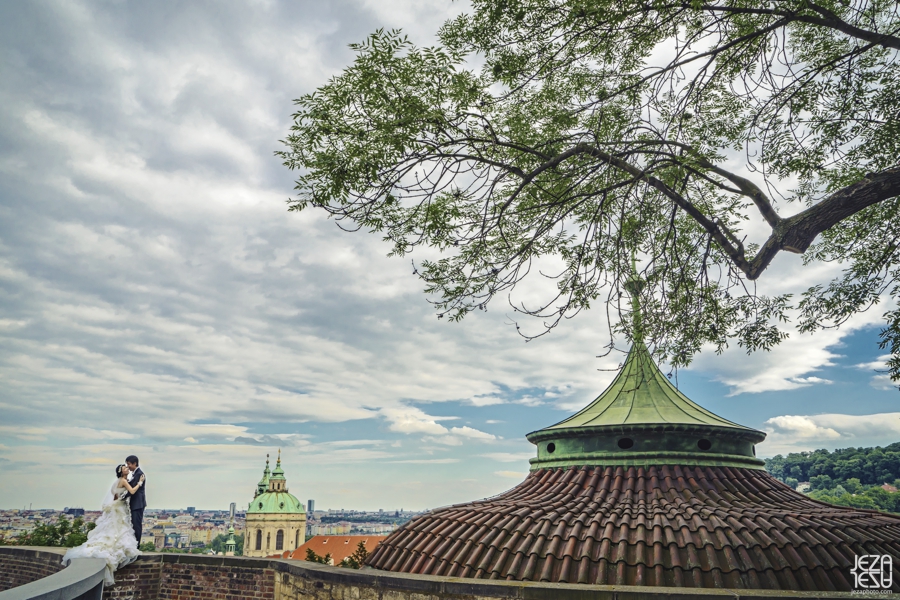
<point>873,572</point>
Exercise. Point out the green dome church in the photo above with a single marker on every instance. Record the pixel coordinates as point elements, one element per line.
<point>276,520</point>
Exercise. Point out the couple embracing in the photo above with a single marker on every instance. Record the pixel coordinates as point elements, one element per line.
<point>118,529</point>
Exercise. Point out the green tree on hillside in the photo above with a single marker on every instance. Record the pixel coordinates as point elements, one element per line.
<point>577,142</point>
<point>63,533</point>
<point>823,469</point>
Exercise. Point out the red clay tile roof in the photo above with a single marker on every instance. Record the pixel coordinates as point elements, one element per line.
<point>722,527</point>
<point>339,546</point>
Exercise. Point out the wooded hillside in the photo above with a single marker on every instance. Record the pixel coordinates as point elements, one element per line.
<point>847,477</point>
<point>870,465</point>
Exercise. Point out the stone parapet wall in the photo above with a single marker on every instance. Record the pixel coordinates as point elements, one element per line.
<point>171,576</point>
<point>138,581</point>
<point>23,564</point>
<point>300,580</point>
<point>174,576</point>
<point>216,582</point>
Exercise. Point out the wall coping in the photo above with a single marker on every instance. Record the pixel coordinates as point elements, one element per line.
<point>435,585</point>
<point>80,577</point>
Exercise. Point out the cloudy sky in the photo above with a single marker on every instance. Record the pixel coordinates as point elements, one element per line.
<point>157,298</point>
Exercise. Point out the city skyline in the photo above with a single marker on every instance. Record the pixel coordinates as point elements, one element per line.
<point>158,299</point>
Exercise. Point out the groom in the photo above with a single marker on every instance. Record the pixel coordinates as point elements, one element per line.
<point>138,498</point>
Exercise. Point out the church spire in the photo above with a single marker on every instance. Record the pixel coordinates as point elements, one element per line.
<point>277,482</point>
<point>263,484</point>
<point>634,286</point>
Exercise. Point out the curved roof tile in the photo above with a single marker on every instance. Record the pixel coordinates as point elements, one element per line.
<point>736,528</point>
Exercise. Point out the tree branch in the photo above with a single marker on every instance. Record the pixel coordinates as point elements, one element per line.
<point>828,19</point>
<point>749,189</point>
<point>716,230</point>
<point>795,234</point>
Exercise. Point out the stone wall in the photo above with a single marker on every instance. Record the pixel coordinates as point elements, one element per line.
<point>194,577</point>
<point>23,564</point>
<point>171,576</point>
<point>138,581</point>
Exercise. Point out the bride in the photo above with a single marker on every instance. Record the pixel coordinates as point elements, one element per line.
<point>113,538</point>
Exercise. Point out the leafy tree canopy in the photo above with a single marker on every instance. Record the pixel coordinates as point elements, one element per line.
<point>848,467</point>
<point>65,533</point>
<point>311,556</point>
<point>218,543</point>
<point>872,497</point>
<point>704,137</point>
<point>357,559</point>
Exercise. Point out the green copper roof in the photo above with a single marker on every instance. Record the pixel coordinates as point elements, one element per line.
<point>641,394</point>
<point>641,419</point>
<point>275,503</point>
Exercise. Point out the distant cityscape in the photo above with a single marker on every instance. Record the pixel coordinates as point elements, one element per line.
<point>197,528</point>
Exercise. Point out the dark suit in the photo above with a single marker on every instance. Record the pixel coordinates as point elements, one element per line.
<point>138,504</point>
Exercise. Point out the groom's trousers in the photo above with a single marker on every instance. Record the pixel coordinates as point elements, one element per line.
<point>137,523</point>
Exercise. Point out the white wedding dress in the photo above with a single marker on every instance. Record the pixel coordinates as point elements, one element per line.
<point>112,539</point>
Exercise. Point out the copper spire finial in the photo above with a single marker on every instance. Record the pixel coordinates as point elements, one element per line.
<point>634,286</point>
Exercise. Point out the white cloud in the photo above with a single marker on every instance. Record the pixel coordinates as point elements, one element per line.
<point>510,456</point>
<point>796,433</point>
<point>882,381</point>
<point>802,427</point>
<point>468,432</point>
<point>810,380</point>
<point>487,400</point>
<point>409,419</point>
<point>427,461</point>
<point>446,440</point>
<point>511,474</point>
<point>162,301</point>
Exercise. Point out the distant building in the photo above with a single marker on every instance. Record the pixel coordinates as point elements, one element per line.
<point>75,512</point>
<point>276,520</point>
<point>190,510</point>
<point>201,536</point>
<point>310,506</point>
<point>230,543</point>
<point>338,546</point>
<point>232,509</point>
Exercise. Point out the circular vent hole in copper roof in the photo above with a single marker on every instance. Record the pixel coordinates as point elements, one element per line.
<point>704,444</point>
<point>551,448</point>
<point>626,443</point>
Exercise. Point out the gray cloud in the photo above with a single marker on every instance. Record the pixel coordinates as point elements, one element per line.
<point>157,297</point>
